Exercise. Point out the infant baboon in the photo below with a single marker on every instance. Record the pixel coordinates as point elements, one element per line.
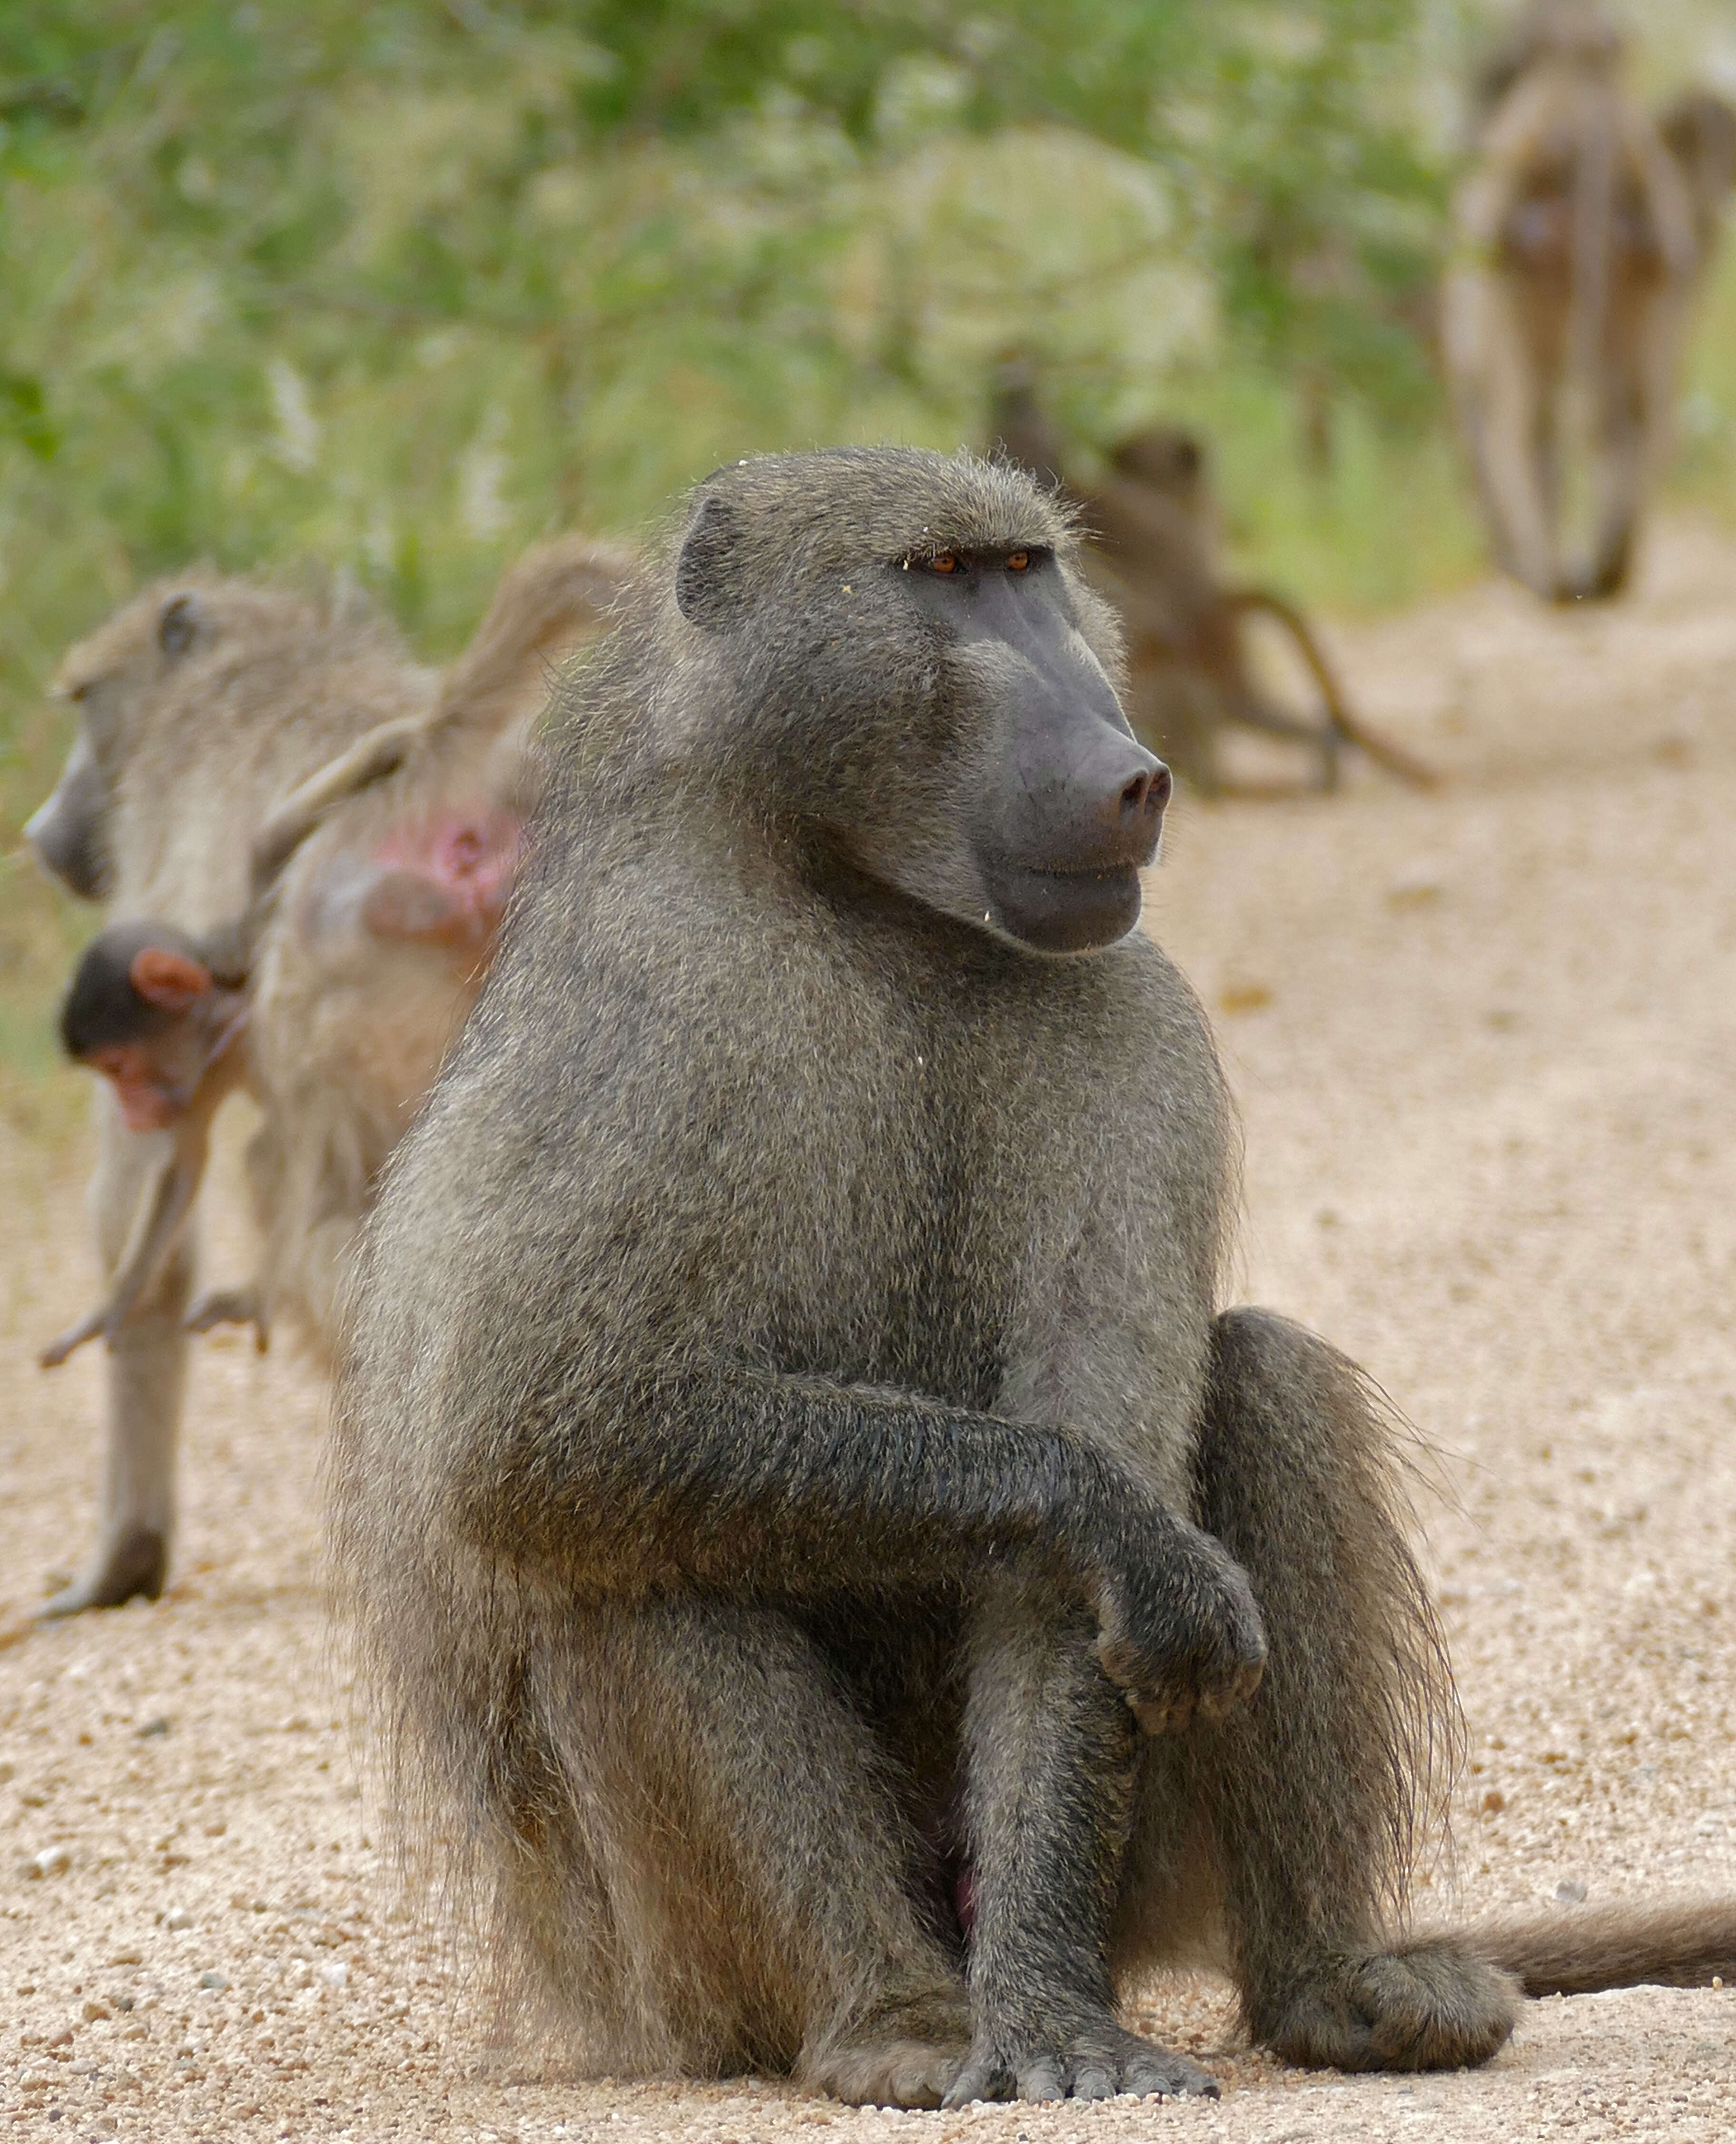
<point>1584,234</point>
<point>1155,525</point>
<point>826,1557</point>
<point>163,1017</point>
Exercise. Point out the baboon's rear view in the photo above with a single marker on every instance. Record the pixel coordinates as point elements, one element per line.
<point>1584,234</point>
<point>804,1513</point>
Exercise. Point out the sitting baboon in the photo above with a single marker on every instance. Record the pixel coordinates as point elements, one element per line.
<point>1155,526</point>
<point>201,703</point>
<point>824,1560</point>
<point>1583,235</point>
<point>163,1018</point>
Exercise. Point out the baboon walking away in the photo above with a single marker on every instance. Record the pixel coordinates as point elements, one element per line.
<point>1583,236</point>
<point>848,1595</point>
<point>202,703</point>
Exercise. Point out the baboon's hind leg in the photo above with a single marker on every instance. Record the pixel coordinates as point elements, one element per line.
<point>744,1828</point>
<point>145,1370</point>
<point>1051,1748</point>
<point>1305,1799</point>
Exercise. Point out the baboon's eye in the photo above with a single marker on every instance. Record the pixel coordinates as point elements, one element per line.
<point>945,561</point>
<point>1018,561</point>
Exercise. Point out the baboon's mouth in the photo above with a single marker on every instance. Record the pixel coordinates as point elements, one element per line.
<point>1061,910</point>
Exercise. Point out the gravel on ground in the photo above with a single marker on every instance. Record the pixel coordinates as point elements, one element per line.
<point>1483,1040</point>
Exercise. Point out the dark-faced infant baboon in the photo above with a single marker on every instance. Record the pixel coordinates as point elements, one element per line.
<point>1154,524</point>
<point>1583,236</point>
<point>830,1568</point>
<point>163,1018</point>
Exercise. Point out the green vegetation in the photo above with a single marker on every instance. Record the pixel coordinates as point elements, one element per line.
<point>394,288</point>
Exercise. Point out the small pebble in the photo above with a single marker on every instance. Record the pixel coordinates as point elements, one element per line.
<point>1570,1892</point>
<point>335,1975</point>
<point>157,1726</point>
<point>177,1917</point>
<point>52,1861</point>
<point>215,1980</point>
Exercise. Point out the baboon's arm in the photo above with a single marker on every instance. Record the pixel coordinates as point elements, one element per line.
<point>160,1214</point>
<point>755,1483</point>
<point>1511,148</point>
<point>163,1210</point>
<point>382,751</point>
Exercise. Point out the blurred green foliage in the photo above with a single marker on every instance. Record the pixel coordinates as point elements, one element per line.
<point>396,287</point>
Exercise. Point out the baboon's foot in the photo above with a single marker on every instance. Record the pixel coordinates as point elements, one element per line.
<point>1420,2006</point>
<point>136,1561</point>
<point>1095,2064</point>
<point>905,2056</point>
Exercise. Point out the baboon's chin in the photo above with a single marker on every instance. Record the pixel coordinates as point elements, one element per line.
<point>1066,911</point>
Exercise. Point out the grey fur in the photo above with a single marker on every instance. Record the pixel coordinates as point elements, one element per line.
<point>787,1388</point>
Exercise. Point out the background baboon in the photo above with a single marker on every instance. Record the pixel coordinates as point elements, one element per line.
<point>162,1017</point>
<point>793,1481</point>
<point>1583,233</point>
<point>200,705</point>
<point>383,926</point>
<point>1155,522</point>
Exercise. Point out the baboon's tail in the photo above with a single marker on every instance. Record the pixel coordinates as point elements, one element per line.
<point>1578,1952</point>
<point>1339,717</point>
<point>555,595</point>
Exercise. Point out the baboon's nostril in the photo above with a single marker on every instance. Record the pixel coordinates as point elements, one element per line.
<point>1146,793</point>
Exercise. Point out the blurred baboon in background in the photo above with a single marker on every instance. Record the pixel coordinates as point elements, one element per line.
<point>1156,529</point>
<point>1583,235</point>
<point>383,927</point>
<point>202,704</point>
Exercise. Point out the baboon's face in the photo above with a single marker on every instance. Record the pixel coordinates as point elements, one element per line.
<point>105,678</point>
<point>892,650</point>
<point>1061,806</point>
<point>65,830</point>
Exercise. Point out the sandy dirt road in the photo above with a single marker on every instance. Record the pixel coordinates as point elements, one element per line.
<point>1484,1043</point>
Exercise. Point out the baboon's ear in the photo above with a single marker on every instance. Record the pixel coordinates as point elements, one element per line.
<point>707,576</point>
<point>168,981</point>
<point>178,626</point>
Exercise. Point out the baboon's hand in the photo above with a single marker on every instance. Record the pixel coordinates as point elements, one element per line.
<point>1181,1631</point>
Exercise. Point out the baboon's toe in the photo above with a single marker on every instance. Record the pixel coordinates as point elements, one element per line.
<point>1421,2006</point>
<point>1098,2063</point>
